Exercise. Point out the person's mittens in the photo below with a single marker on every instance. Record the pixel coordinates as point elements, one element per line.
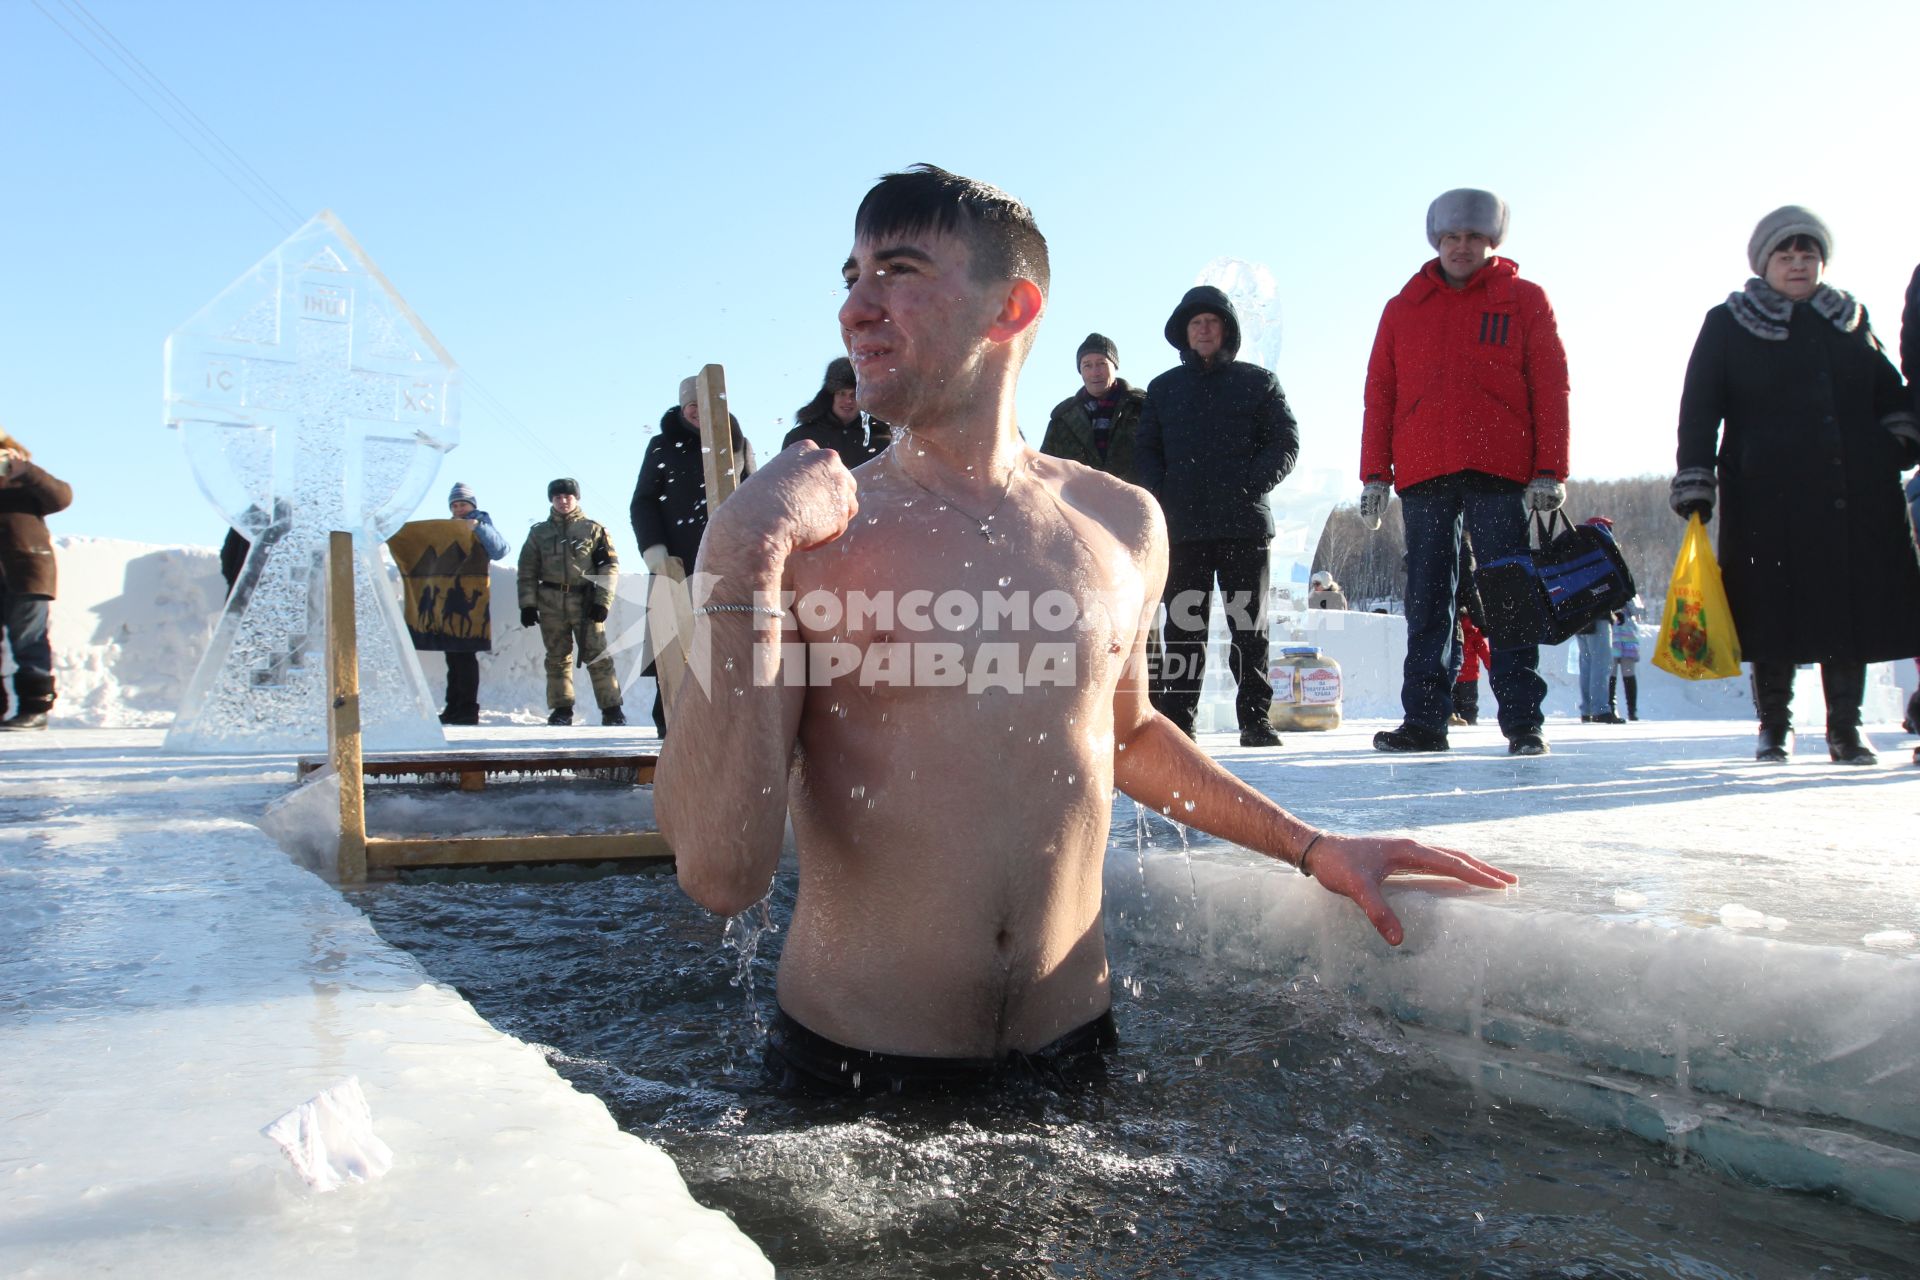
<point>1545,494</point>
<point>1373,502</point>
<point>597,612</point>
<point>529,617</point>
<point>1692,493</point>
<point>1906,433</point>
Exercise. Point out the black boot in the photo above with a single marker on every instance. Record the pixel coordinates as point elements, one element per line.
<point>35,696</point>
<point>1410,737</point>
<point>560,716</point>
<point>1632,683</point>
<point>1612,680</point>
<point>1845,684</point>
<point>614,715</point>
<point>1773,703</point>
<point>1911,724</point>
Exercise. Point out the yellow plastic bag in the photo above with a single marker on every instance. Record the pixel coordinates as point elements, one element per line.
<point>1697,641</point>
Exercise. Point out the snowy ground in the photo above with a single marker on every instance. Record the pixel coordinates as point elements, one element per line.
<point>1719,952</point>
<point>1710,953</point>
<point>170,982</point>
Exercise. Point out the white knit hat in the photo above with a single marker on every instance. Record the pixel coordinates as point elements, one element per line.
<point>1782,225</point>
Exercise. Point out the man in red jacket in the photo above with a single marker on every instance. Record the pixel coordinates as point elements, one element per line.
<point>1466,416</point>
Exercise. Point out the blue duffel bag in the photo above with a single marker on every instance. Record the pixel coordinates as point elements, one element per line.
<point>1557,587</point>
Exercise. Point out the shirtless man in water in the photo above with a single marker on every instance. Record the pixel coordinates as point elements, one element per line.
<point>947,744</point>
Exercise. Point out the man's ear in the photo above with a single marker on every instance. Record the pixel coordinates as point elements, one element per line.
<point>1019,311</point>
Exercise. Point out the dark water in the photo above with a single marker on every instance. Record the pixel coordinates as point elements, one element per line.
<point>1247,1128</point>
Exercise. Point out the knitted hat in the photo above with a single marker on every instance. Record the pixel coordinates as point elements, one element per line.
<point>1782,225</point>
<point>462,493</point>
<point>1467,209</point>
<point>688,391</point>
<point>565,484</point>
<point>1097,344</point>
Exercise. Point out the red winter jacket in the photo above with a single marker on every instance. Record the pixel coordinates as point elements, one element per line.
<point>1471,379</point>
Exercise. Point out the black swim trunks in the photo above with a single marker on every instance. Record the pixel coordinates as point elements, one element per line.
<point>803,1061</point>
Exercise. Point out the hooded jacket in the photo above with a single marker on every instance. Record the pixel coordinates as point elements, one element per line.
<point>669,505</point>
<point>1471,379</point>
<point>1215,438</point>
<point>28,495</point>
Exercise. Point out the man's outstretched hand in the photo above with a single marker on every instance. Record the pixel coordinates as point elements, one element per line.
<point>1355,866</point>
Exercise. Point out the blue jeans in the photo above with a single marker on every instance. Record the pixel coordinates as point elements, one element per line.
<point>24,619</point>
<point>1492,513</point>
<point>1596,663</point>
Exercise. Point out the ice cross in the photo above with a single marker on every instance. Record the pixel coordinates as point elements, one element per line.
<point>310,398</point>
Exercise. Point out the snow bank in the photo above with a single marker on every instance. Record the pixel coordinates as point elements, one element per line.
<point>172,983</point>
<point>132,621</point>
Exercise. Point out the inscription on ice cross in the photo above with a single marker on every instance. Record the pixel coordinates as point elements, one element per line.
<point>309,398</point>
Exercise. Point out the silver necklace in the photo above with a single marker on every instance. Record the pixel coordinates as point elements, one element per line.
<point>984,523</point>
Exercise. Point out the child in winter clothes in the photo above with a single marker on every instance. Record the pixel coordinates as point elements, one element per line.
<point>1475,654</point>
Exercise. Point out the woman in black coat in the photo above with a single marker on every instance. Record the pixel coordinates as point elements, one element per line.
<point>1814,545</point>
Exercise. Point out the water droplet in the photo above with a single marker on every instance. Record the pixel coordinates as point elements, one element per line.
<point>1006,582</point>
<point>1189,806</point>
<point>859,791</point>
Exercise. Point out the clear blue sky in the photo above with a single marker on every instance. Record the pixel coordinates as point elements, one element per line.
<point>586,202</point>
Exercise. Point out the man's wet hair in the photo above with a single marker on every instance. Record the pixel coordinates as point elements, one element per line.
<point>1002,241</point>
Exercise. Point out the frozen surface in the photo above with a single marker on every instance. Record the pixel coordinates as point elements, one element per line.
<point>170,983</point>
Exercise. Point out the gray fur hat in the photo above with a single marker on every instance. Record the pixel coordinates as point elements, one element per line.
<point>462,492</point>
<point>1467,209</point>
<point>688,390</point>
<point>1782,225</point>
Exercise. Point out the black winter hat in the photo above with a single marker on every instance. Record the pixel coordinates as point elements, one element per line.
<point>839,375</point>
<point>565,484</point>
<point>1097,344</point>
<point>1202,298</point>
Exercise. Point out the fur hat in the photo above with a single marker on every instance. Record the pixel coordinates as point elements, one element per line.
<point>463,492</point>
<point>1467,209</point>
<point>1782,225</point>
<point>1097,344</point>
<point>565,484</point>
<point>689,389</point>
<point>839,376</point>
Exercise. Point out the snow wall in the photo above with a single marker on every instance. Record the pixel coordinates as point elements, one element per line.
<point>132,620</point>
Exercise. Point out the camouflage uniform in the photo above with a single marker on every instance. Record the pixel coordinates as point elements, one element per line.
<point>567,566</point>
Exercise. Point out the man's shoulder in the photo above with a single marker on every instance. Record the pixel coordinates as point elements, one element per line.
<point>1125,509</point>
<point>1065,407</point>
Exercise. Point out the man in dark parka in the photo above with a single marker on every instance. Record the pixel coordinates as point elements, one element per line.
<point>1815,546</point>
<point>1215,437</point>
<point>669,507</point>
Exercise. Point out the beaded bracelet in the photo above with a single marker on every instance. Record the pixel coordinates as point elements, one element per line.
<point>740,608</point>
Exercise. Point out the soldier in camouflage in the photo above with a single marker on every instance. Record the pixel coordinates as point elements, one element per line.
<point>567,572</point>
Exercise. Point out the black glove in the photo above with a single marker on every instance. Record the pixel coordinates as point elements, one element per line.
<point>597,612</point>
<point>1692,493</point>
<point>529,617</point>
